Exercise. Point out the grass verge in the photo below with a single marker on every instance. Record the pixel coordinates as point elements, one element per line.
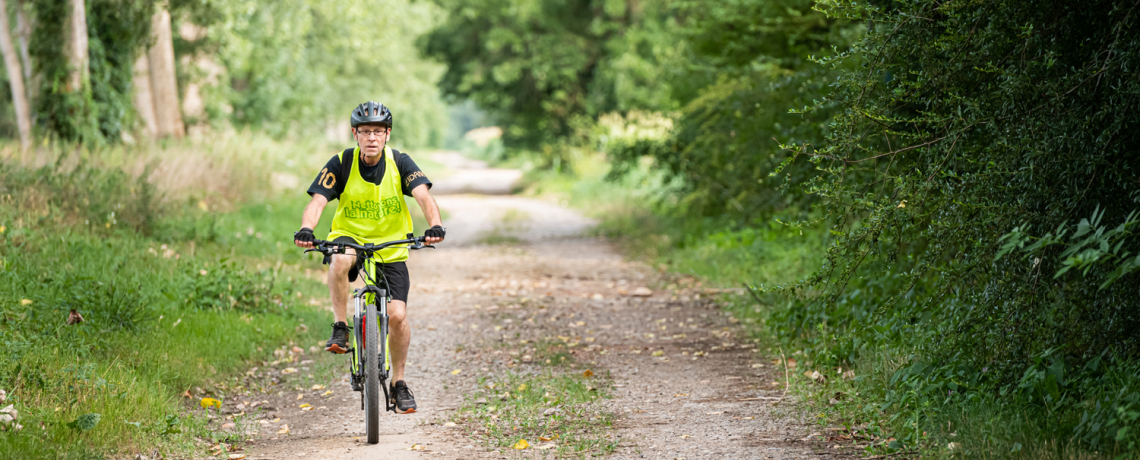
<point>552,411</point>
<point>175,299</point>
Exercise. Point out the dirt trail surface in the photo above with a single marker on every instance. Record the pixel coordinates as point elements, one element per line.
<point>685,383</point>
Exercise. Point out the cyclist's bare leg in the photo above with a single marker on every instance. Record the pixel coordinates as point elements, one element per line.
<point>338,283</point>
<point>400,336</point>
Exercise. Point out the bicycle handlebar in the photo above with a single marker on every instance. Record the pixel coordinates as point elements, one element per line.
<point>329,248</point>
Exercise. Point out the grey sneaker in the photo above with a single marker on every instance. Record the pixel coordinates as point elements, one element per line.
<point>405,402</point>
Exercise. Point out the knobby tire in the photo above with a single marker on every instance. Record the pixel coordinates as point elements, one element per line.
<point>370,360</point>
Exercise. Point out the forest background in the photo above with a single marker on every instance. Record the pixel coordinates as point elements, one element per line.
<point>933,204</point>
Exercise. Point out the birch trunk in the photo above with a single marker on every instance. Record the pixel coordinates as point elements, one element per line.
<point>143,97</point>
<point>16,79</point>
<point>163,82</point>
<point>76,45</point>
<point>23,35</point>
<point>24,27</point>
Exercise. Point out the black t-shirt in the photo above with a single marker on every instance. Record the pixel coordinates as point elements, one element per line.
<point>330,184</point>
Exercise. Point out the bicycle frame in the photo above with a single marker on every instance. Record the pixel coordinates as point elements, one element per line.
<point>372,292</point>
<point>376,293</point>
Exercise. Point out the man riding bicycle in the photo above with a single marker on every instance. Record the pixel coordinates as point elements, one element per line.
<point>369,181</point>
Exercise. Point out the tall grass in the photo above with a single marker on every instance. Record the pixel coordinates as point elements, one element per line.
<point>131,239</point>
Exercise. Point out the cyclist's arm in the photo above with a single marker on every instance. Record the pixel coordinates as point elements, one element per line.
<point>428,206</point>
<point>312,213</point>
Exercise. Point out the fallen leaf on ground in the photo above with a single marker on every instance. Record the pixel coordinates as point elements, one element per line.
<point>522,444</point>
<point>641,292</point>
<point>207,402</point>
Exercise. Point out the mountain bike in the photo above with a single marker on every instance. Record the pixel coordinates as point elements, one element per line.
<point>369,357</point>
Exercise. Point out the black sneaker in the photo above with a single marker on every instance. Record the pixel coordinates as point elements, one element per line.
<point>405,402</point>
<point>339,342</point>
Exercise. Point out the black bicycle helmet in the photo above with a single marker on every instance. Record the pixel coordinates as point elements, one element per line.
<point>371,113</point>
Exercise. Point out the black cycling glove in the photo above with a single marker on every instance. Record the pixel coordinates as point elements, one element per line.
<point>304,235</point>
<point>435,232</point>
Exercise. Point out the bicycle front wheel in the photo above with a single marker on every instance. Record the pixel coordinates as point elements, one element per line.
<point>370,359</point>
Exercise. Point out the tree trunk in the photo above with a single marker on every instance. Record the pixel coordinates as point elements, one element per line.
<point>23,35</point>
<point>16,78</point>
<point>163,82</point>
<point>76,45</point>
<point>143,97</point>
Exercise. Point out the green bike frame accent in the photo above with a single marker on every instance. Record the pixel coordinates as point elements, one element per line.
<point>360,301</point>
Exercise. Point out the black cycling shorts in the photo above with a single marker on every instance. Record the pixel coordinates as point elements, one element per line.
<point>396,273</point>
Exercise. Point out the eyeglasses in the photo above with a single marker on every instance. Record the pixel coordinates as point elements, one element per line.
<point>367,134</point>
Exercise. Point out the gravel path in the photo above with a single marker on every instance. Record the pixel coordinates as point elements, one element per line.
<point>686,383</point>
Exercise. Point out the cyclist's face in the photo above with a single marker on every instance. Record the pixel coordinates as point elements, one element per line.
<point>371,139</point>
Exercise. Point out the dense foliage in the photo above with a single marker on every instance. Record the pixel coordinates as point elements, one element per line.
<point>301,66</point>
<point>287,68</point>
<point>546,69</point>
<point>117,31</point>
<point>747,66</point>
<point>965,122</point>
<point>971,121</point>
<point>724,73</point>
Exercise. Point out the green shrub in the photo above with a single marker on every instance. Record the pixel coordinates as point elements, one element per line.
<point>981,186</point>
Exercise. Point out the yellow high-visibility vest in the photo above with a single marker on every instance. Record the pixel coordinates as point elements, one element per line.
<point>370,213</point>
